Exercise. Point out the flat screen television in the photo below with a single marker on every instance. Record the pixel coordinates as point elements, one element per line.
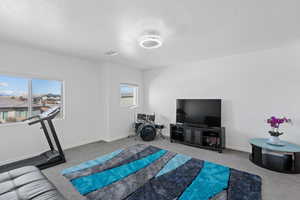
<point>199,112</point>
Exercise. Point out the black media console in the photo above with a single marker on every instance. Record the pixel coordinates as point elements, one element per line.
<point>207,138</point>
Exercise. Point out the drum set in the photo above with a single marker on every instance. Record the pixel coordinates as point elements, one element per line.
<point>146,128</point>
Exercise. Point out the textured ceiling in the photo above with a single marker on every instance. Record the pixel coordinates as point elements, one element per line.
<point>191,29</point>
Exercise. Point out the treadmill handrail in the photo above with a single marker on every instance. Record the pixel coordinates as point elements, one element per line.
<point>34,122</point>
<point>51,116</point>
<point>30,118</point>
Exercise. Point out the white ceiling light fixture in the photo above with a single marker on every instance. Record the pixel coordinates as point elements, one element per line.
<point>150,40</point>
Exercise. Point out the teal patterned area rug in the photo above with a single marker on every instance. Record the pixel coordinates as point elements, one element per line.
<point>150,173</point>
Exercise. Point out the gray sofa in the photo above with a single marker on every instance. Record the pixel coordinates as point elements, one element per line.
<point>27,183</point>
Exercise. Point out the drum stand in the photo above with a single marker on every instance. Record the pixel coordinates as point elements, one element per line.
<point>159,128</point>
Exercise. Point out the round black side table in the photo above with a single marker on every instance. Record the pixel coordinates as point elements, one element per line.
<point>284,159</point>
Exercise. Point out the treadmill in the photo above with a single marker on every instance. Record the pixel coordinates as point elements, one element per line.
<point>49,158</point>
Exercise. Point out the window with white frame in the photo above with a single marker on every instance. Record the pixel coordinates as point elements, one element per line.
<point>21,98</point>
<point>128,95</point>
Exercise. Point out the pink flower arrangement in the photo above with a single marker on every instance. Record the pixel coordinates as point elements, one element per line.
<point>275,123</point>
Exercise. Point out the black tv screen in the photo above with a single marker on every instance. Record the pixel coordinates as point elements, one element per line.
<point>199,112</point>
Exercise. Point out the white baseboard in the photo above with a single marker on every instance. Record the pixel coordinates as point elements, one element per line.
<point>239,148</point>
<point>32,155</point>
<point>17,159</point>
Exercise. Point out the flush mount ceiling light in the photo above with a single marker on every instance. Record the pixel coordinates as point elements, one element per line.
<point>150,41</point>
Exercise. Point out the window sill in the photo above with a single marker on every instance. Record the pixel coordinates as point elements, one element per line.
<point>12,124</point>
<point>22,123</point>
<point>130,107</point>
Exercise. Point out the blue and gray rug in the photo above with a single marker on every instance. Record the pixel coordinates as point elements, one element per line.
<point>150,173</point>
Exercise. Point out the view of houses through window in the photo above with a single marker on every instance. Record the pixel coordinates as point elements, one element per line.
<point>128,95</point>
<point>22,97</point>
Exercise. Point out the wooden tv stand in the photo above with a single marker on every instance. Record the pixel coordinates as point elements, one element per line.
<point>202,137</point>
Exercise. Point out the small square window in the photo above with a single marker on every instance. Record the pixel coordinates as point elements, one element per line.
<point>128,95</point>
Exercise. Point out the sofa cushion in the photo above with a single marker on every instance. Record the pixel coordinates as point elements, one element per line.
<point>27,183</point>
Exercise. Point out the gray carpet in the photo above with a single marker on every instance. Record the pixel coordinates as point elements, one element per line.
<point>276,186</point>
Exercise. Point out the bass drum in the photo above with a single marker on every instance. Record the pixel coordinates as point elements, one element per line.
<point>147,132</point>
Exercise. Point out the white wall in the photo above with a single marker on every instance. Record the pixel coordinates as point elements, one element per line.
<point>81,99</point>
<point>253,87</point>
<point>121,118</point>
<point>90,100</point>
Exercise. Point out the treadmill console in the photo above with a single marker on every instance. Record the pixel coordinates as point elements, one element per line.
<point>49,112</point>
